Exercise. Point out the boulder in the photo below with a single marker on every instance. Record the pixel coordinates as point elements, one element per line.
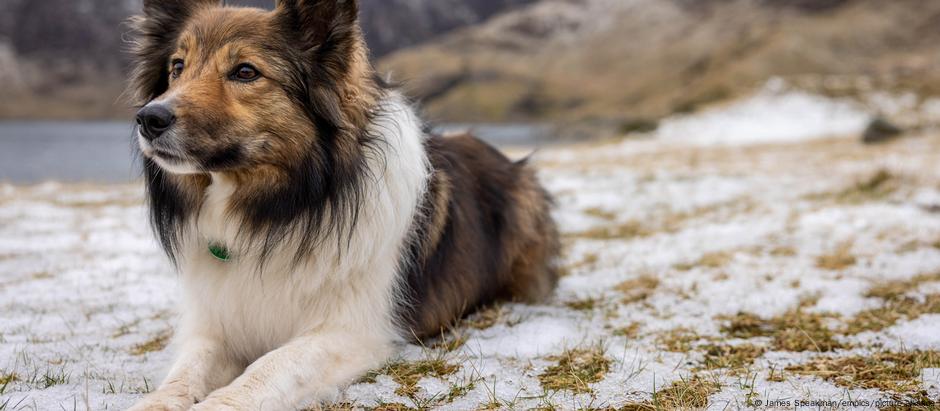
<point>880,130</point>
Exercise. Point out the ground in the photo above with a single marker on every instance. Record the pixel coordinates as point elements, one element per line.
<point>696,275</point>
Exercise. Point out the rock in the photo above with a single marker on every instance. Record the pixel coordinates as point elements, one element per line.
<point>881,130</point>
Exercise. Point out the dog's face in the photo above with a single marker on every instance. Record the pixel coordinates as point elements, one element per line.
<point>225,105</point>
<point>235,88</point>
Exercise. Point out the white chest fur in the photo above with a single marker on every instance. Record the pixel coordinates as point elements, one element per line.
<point>353,288</point>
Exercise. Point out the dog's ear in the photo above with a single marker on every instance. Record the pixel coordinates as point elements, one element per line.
<point>156,32</point>
<point>321,23</point>
<point>332,51</point>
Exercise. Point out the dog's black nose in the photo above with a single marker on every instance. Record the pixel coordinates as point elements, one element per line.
<point>154,120</point>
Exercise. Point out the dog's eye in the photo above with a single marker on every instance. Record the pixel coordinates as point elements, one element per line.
<point>177,68</point>
<point>245,73</point>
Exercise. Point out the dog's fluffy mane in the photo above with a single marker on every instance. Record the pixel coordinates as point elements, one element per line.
<point>318,195</point>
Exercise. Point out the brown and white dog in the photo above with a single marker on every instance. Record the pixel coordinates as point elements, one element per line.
<point>314,223</point>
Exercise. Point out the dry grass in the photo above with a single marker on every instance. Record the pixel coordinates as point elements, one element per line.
<point>450,342</point>
<point>709,260</point>
<point>896,306</point>
<point>686,394</point>
<point>893,290</point>
<point>776,376</point>
<point>891,312</point>
<point>601,213</point>
<point>677,340</point>
<point>638,289</point>
<point>157,343</point>
<point>485,318</point>
<point>6,378</point>
<point>587,304</point>
<point>407,374</point>
<point>796,330</point>
<point>622,231</point>
<point>747,325</point>
<point>876,187</point>
<point>840,259</point>
<point>589,261</point>
<point>733,357</point>
<point>892,372</point>
<point>783,251</point>
<point>342,406</point>
<point>630,331</point>
<point>389,407</point>
<point>576,369</point>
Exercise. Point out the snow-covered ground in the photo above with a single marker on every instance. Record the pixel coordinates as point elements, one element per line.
<point>806,253</point>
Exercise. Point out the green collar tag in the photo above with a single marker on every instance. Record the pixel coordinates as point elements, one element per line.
<point>219,252</point>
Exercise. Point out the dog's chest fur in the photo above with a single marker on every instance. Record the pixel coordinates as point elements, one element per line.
<point>349,284</point>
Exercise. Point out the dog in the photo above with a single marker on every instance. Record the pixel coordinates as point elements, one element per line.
<point>315,223</point>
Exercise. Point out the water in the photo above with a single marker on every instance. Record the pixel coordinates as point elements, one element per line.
<point>103,152</point>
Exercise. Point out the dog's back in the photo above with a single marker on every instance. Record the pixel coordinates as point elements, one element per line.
<point>485,233</point>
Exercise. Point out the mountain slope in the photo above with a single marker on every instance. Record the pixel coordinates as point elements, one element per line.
<point>608,60</point>
<point>63,59</point>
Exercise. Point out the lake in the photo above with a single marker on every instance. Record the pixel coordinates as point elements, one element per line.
<point>32,152</point>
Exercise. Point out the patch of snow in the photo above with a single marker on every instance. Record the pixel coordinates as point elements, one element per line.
<point>775,114</point>
<point>541,334</point>
<point>919,334</point>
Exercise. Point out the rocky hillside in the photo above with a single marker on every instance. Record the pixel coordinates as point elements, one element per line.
<point>62,58</point>
<point>607,62</point>
<point>611,61</point>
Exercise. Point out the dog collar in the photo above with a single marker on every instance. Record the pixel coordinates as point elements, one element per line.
<point>219,252</point>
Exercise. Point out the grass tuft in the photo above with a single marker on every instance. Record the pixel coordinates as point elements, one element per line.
<point>710,260</point>
<point>576,369</point>
<point>588,304</point>
<point>450,343</point>
<point>485,318</point>
<point>601,213</point>
<point>8,378</point>
<point>686,394</point>
<point>746,325</point>
<point>896,305</point>
<point>638,289</point>
<point>678,340</point>
<point>796,330</point>
<point>382,406</point>
<point>733,357</point>
<point>157,343</point>
<point>876,187</point>
<point>407,374</point>
<point>589,261</point>
<point>892,311</point>
<point>623,231</point>
<point>896,289</point>
<point>899,373</point>
<point>840,259</point>
<point>630,331</point>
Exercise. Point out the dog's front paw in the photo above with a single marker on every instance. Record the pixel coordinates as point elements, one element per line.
<point>163,401</point>
<point>212,404</point>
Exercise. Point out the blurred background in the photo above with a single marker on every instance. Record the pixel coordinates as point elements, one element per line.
<point>520,71</point>
<point>748,195</point>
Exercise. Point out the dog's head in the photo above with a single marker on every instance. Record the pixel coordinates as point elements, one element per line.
<point>237,89</point>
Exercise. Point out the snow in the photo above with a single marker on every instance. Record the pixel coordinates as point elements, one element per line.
<point>773,114</point>
<point>83,284</point>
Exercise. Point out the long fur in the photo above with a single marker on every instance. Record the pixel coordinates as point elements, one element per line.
<point>349,227</point>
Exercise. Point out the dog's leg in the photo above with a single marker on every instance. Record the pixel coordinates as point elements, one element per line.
<point>308,368</point>
<point>200,368</point>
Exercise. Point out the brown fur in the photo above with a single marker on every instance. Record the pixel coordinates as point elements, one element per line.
<point>486,235</point>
